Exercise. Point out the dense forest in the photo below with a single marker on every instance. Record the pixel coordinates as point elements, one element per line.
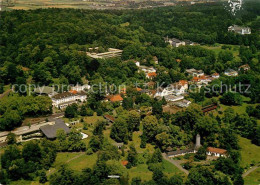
<point>47,46</point>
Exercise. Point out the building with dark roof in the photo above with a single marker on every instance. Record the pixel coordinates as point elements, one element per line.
<point>50,131</point>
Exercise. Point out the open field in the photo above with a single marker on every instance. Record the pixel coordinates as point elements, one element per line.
<point>217,48</point>
<point>253,178</point>
<point>250,153</point>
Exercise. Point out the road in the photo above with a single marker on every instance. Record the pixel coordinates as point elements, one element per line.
<point>175,163</point>
<point>249,171</point>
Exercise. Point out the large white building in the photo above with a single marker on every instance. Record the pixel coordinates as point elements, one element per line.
<point>177,89</point>
<point>64,99</point>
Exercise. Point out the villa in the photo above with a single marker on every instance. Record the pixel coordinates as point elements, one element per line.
<point>239,29</point>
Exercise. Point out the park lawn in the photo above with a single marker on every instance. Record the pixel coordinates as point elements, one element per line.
<point>169,169</point>
<point>137,141</point>
<point>82,162</point>
<point>63,157</point>
<point>76,160</point>
<point>217,49</point>
<point>249,152</point>
<point>253,178</point>
<point>142,171</point>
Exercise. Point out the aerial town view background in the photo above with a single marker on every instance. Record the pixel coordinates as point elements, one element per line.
<point>130,92</point>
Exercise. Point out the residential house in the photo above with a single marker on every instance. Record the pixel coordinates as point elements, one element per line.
<point>151,75</point>
<point>115,98</point>
<point>217,152</point>
<point>231,72</point>
<point>109,118</point>
<point>240,29</point>
<point>245,67</point>
<point>147,69</point>
<point>175,42</point>
<point>215,75</point>
<point>194,72</point>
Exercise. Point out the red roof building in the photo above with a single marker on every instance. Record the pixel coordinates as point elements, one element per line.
<point>217,152</point>
<point>116,98</point>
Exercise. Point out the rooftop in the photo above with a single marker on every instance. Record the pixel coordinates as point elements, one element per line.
<point>216,150</point>
<point>50,131</point>
<point>116,98</point>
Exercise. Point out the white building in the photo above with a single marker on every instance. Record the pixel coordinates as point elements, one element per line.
<point>175,42</point>
<point>215,75</point>
<point>64,99</point>
<point>194,72</point>
<point>177,89</point>
<point>80,87</point>
<point>239,29</point>
<point>217,152</point>
<point>231,72</point>
<point>172,98</point>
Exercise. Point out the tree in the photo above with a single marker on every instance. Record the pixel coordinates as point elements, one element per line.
<point>133,121</point>
<point>157,175</point>
<point>11,138</point>
<point>132,157</point>
<point>201,154</point>
<point>230,98</point>
<point>71,111</point>
<point>136,181</point>
<point>43,177</point>
<point>64,176</point>
<point>1,88</point>
<point>157,108</point>
<point>32,152</point>
<point>256,138</point>
<point>175,180</point>
<point>119,131</point>
<point>150,127</point>
<point>128,103</point>
<point>157,156</point>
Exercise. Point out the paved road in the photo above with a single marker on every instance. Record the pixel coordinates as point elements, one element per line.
<point>175,163</point>
<point>249,171</point>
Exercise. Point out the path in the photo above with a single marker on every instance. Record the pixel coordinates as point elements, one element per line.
<point>5,93</point>
<point>51,171</point>
<point>175,163</point>
<point>249,171</point>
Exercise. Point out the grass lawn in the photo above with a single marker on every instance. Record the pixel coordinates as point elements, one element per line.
<point>249,152</point>
<point>84,161</point>
<point>217,49</point>
<point>169,169</point>
<point>142,171</point>
<point>253,178</point>
<point>75,161</point>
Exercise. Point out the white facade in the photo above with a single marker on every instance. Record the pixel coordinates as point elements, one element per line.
<point>194,72</point>
<point>215,154</point>
<point>240,30</point>
<point>64,99</point>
